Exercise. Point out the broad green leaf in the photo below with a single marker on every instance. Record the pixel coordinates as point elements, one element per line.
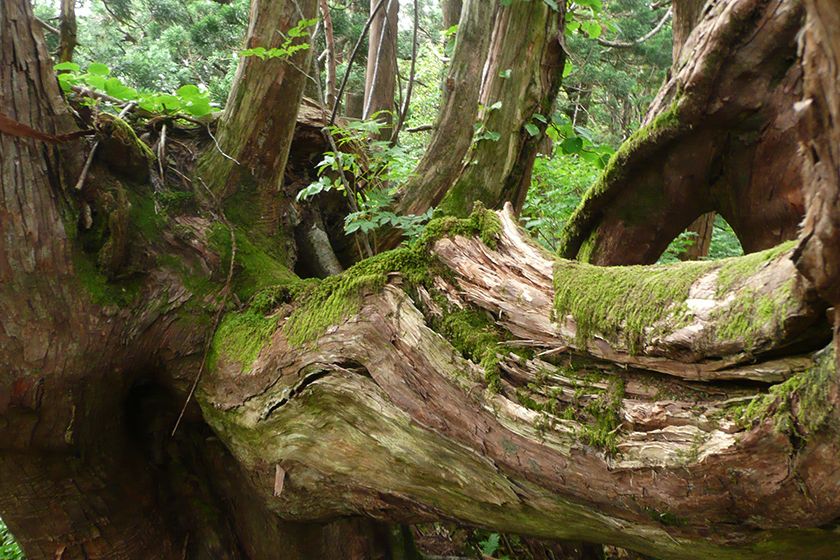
<point>592,28</point>
<point>189,90</point>
<point>532,129</point>
<point>69,66</point>
<point>505,73</point>
<point>572,145</point>
<point>567,68</point>
<point>98,69</point>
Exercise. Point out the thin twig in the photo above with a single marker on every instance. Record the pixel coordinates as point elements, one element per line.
<point>410,86</point>
<point>225,294</point>
<point>161,150</point>
<point>640,40</point>
<point>350,61</point>
<point>81,182</point>
<point>218,147</point>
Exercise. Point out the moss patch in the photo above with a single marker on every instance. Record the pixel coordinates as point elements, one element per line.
<point>628,300</point>
<point>240,337</point>
<point>622,300</point>
<point>800,406</point>
<point>255,268</point>
<point>337,297</point>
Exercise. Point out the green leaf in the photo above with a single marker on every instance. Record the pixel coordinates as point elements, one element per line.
<point>541,118</point>
<point>592,28</point>
<point>572,145</point>
<point>567,68</point>
<point>95,81</point>
<point>189,90</point>
<point>552,4</point>
<point>505,73</point>
<point>495,106</point>
<point>491,545</point>
<point>98,69</point>
<point>532,129</point>
<point>69,66</point>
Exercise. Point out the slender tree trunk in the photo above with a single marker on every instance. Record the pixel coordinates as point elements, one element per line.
<point>687,14</point>
<point>703,228</point>
<point>381,72</point>
<point>67,35</point>
<point>329,37</point>
<point>254,151</point>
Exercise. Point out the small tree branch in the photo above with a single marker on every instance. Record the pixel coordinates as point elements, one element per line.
<point>640,40</point>
<point>410,86</point>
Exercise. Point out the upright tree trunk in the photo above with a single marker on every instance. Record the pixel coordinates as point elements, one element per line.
<point>687,14</point>
<point>443,159</point>
<point>67,35</point>
<point>329,37</point>
<point>522,79</point>
<point>253,151</point>
<point>381,72</point>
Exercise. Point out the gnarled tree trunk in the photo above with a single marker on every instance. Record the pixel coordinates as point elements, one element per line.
<point>719,136</point>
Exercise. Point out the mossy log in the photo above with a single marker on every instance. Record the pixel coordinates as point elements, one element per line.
<point>638,430</point>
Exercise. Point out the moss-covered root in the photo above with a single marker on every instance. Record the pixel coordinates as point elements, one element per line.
<point>631,306</point>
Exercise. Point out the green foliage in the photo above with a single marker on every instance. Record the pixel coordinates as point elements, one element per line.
<point>9,548</point>
<point>375,169</point>
<point>289,47</point>
<point>187,99</point>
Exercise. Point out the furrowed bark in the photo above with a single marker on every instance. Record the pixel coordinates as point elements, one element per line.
<point>381,72</point>
<point>520,86</point>
<point>376,413</point>
<point>67,31</point>
<point>443,159</point>
<point>728,106</point>
<point>254,151</point>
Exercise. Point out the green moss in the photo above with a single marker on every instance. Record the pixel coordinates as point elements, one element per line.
<point>477,338</point>
<point>622,299</point>
<point>628,300</point>
<point>142,215</point>
<point>338,297</point>
<point>123,132</point>
<point>240,337</point>
<point>255,268</point>
<point>601,417</point>
<point>751,309</point>
<point>800,406</point>
<point>96,284</point>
